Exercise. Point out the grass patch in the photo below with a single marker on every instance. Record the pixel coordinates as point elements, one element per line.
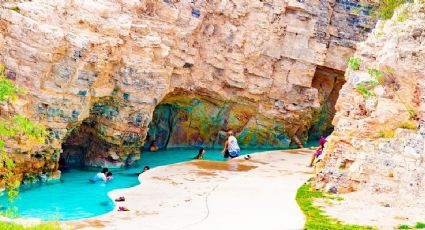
<point>418,225</point>
<point>315,217</point>
<point>42,226</point>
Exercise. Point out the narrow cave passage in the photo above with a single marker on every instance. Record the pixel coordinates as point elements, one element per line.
<point>75,147</point>
<point>328,82</point>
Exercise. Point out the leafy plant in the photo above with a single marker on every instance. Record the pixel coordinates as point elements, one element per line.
<point>354,63</point>
<point>376,75</point>
<point>364,91</point>
<point>7,89</point>
<point>12,127</point>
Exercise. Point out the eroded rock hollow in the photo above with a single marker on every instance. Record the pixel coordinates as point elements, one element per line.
<point>96,70</point>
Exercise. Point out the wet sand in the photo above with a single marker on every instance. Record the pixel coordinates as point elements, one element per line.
<point>238,194</point>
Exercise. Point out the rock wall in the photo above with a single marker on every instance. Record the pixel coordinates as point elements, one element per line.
<point>379,137</point>
<point>110,63</point>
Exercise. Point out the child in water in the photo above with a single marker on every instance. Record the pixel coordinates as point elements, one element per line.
<point>109,176</point>
<point>200,155</point>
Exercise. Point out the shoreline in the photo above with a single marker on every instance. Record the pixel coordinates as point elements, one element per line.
<point>211,178</point>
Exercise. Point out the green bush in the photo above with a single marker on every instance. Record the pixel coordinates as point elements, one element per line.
<point>376,75</point>
<point>385,8</point>
<point>354,63</point>
<point>364,90</point>
<point>11,127</point>
<point>382,9</point>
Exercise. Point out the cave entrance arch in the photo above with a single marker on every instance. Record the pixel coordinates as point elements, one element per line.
<point>186,120</point>
<point>328,83</point>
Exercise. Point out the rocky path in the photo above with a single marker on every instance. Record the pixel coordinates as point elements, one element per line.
<point>238,194</point>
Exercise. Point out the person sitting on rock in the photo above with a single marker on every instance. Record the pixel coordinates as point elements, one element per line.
<point>231,148</point>
<point>101,176</point>
<point>153,147</point>
<point>200,155</point>
<point>318,152</point>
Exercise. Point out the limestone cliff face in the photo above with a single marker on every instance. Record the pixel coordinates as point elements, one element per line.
<point>378,142</point>
<point>96,70</point>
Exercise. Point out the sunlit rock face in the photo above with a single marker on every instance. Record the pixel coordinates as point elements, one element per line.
<point>378,142</point>
<point>253,66</point>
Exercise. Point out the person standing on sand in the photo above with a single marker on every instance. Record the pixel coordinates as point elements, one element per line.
<point>231,148</point>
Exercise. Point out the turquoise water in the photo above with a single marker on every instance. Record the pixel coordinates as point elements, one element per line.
<point>77,198</point>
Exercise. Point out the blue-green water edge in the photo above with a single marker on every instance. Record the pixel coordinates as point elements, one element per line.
<point>76,198</point>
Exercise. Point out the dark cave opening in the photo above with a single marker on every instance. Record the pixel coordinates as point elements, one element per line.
<point>328,82</point>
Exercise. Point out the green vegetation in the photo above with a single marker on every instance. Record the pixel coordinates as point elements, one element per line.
<point>364,90</point>
<point>42,226</point>
<point>385,8</point>
<point>354,63</point>
<point>418,225</point>
<point>402,16</point>
<point>376,75</point>
<point>7,89</point>
<point>315,217</point>
<point>382,9</point>
<point>412,113</point>
<point>386,134</point>
<point>13,127</point>
<point>16,9</point>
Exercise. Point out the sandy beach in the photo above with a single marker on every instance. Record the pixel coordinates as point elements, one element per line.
<point>237,194</point>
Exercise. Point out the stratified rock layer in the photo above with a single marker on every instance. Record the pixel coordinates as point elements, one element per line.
<point>378,142</point>
<point>263,68</point>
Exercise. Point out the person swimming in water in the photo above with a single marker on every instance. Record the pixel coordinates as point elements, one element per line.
<point>200,155</point>
<point>146,168</point>
<point>101,176</point>
<point>109,176</point>
<point>231,148</point>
